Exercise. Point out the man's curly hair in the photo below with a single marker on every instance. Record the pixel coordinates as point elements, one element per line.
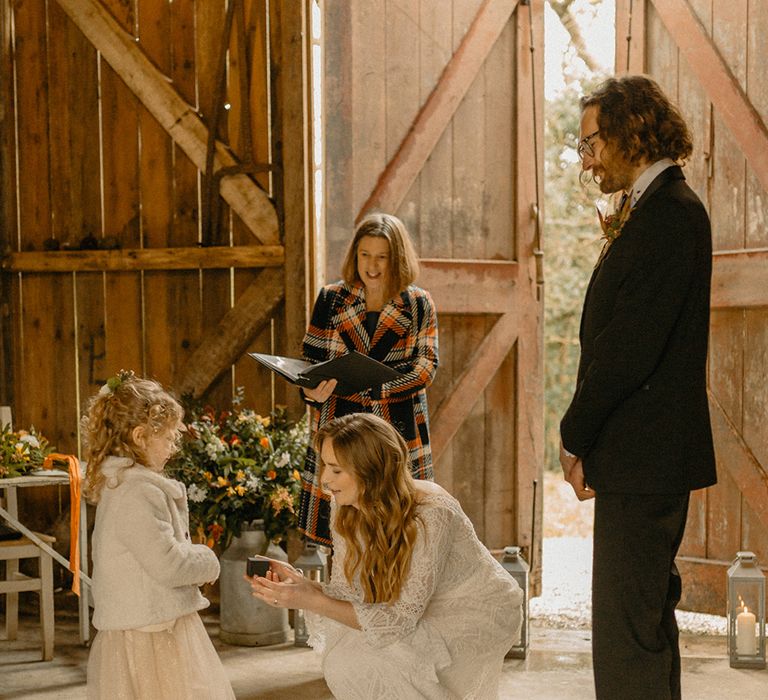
<point>637,120</point>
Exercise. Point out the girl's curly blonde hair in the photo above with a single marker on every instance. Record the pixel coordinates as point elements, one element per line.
<point>381,532</point>
<point>124,403</point>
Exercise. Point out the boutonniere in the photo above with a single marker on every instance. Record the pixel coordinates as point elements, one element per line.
<point>612,224</point>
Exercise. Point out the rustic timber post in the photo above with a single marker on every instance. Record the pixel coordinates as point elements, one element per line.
<point>530,376</point>
<point>7,195</point>
<point>289,33</point>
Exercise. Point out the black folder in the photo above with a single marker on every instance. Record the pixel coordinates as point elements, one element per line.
<point>354,371</point>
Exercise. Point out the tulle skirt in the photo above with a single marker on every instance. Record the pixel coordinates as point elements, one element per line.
<point>174,664</point>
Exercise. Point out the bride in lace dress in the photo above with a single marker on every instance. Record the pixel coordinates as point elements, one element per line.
<point>416,607</point>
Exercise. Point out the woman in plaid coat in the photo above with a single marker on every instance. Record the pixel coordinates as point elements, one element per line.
<point>377,311</point>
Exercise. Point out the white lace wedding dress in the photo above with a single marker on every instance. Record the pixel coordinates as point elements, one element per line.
<point>458,614</point>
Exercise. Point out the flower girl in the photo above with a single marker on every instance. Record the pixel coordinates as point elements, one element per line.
<point>151,642</point>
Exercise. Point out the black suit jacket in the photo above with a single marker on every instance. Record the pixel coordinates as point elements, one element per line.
<point>639,418</point>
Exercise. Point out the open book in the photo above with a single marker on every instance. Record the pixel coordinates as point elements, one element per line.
<point>354,371</point>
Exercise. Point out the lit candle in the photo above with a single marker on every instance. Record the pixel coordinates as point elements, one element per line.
<point>746,644</point>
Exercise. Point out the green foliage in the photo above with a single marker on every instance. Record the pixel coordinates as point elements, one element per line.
<point>571,247</point>
<point>239,467</point>
<point>21,451</point>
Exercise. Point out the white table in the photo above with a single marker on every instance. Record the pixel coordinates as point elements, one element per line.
<point>11,515</point>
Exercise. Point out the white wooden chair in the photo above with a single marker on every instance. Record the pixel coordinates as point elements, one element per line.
<point>11,551</point>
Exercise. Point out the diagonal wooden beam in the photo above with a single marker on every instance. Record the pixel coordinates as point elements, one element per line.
<point>468,387</point>
<point>734,454</point>
<point>225,343</point>
<point>721,86</point>
<point>437,112</point>
<point>178,118</point>
<point>739,278</point>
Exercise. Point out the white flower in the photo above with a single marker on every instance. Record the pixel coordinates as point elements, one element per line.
<point>104,390</point>
<point>215,447</point>
<point>196,494</point>
<point>245,416</point>
<point>253,483</point>
<point>30,440</point>
<point>285,458</point>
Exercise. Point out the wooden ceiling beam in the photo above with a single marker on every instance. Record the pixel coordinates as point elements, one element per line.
<point>156,92</point>
<point>738,278</point>
<point>734,455</point>
<point>227,342</point>
<point>437,112</point>
<point>719,82</point>
<point>470,385</point>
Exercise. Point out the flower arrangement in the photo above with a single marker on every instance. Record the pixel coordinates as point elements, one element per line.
<point>21,451</point>
<point>239,467</point>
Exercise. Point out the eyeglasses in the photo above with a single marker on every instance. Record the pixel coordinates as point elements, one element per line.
<point>585,146</point>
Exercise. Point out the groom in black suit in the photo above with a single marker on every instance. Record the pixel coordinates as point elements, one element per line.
<point>636,436</point>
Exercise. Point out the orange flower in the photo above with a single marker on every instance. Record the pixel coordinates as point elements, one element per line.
<point>216,531</point>
<point>235,441</point>
<point>221,481</point>
<point>240,490</point>
<point>271,474</point>
<point>208,476</point>
<point>240,476</point>
<point>264,442</point>
<point>296,475</point>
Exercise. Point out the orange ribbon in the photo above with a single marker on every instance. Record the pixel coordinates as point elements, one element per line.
<point>74,512</point>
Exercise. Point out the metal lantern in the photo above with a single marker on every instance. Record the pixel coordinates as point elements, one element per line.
<point>518,569</point>
<point>313,563</point>
<point>746,612</point>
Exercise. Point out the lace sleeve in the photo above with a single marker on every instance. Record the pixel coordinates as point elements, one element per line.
<point>384,623</point>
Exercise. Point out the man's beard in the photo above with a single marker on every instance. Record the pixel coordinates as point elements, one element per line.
<point>613,175</point>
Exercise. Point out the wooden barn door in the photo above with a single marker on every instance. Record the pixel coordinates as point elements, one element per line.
<point>710,56</point>
<point>105,112</point>
<point>430,115</point>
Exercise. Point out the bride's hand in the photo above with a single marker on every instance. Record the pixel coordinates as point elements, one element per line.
<point>286,588</point>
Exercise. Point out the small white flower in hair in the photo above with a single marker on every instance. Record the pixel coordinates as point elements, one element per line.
<point>105,390</point>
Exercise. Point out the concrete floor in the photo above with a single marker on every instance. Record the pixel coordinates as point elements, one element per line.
<point>558,667</point>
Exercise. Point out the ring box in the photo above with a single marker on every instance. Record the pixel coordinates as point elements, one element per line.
<point>256,566</point>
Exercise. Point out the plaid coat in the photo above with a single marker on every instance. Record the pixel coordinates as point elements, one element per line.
<point>405,339</point>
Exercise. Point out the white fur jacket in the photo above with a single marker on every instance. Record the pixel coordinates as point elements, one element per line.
<point>145,568</point>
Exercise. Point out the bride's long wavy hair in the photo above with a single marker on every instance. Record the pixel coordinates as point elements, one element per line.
<point>380,532</point>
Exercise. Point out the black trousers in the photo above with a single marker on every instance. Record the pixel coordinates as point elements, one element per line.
<point>635,588</point>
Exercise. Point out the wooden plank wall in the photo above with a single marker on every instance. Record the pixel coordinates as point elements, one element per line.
<point>721,521</point>
<point>82,157</point>
<point>378,74</point>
